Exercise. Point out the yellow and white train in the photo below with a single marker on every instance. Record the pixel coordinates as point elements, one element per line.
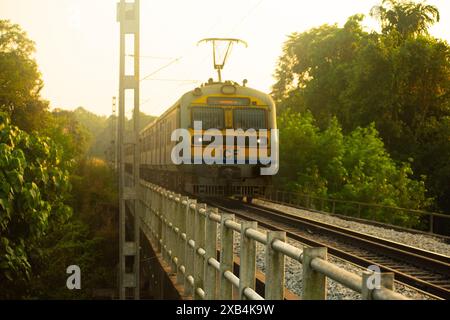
<point>218,105</point>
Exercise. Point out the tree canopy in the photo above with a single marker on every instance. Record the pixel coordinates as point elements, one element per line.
<point>352,167</point>
<point>405,17</point>
<point>20,79</point>
<point>401,84</point>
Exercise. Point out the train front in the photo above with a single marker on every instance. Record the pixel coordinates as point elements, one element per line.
<point>244,122</point>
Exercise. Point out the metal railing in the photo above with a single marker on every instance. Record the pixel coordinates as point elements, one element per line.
<point>186,234</point>
<point>402,217</point>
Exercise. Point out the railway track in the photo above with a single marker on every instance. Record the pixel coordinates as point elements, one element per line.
<point>421,269</point>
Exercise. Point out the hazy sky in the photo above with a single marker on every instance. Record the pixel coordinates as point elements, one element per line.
<point>77,42</point>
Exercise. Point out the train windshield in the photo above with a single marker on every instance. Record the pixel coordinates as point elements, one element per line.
<point>249,119</point>
<point>211,118</point>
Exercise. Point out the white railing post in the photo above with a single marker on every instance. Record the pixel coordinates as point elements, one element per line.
<point>314,283</point>
<point>189,252</point>
<point>199,238</point>
<point>164,226</point>
<point>152,214</point>
<point>211,252</point>
<point>274,286</point>
<point>160,222</point>
<point>247,270</point>
<point>181,244</point>
<point>154,209</point>
<point>226,257</point>
<point>172,232</point>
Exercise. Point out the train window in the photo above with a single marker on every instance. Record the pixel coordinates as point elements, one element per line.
<point>249,119</point>
<point>211,118</point>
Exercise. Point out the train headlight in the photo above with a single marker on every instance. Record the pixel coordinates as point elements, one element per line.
<point>228,89</point>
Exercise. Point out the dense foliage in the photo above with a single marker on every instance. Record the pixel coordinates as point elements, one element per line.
<point>355,166</point>
<point>399,80</point>
<point>89,239</point>
<point>34,183</point>
<point>58,203</point>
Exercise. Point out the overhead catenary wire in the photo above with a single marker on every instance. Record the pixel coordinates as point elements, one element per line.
<point>216,23</point>
<point>175,80</point>
<point>152,57</point>
<point>184,82</point>
<point>249,13</point>
<point>236,26</point>
<point>160,69</point>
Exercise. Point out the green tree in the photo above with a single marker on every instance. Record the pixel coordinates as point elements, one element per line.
<point>374,177</point>
<point>89,239</point>
<point>66,131</point>
<point>311,159</point>
<point>315,68</point>
<point>402,86</point>
<point>356,167</point>
<point>407,18</point>
<point>20,79</point>
<point>34,183</point>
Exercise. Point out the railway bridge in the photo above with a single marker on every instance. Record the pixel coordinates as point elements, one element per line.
<point>175,247</point>
<point>195,251</point>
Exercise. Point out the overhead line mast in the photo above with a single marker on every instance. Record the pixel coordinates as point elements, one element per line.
<point>128,15</point>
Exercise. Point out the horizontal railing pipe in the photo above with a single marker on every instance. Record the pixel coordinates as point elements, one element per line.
<point>288,250</point>
<point>256,235</point>
<point>344,277</point>
<point>232,278</point>
<point>214,263</point>
<point>233,225</point>
<point>252,294</point>
<point>386,294</point>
